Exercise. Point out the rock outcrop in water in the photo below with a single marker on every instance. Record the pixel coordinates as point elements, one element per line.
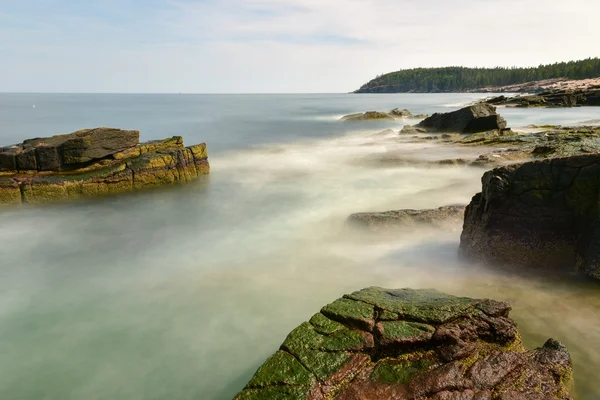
<point>440,217</point>
<point>381,344</point>
<point>396,113</point>
<point>94,162</point>
<point>476,118</point>
<point>542,214</point>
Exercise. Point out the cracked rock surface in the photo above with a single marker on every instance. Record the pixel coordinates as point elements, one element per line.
<point>411,344</point>
<point>94,162</point>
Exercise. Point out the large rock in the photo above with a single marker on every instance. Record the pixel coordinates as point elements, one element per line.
<point>381,344</point>
<point>86,170</point>
<point>472,119</point>
<point>542,214</point>
<point>69,151</point>
<point>439,217</point>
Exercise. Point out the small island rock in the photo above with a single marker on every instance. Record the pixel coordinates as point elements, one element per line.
<point>94,162</point>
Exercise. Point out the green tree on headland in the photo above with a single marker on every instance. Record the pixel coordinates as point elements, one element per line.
<point>457,79</point>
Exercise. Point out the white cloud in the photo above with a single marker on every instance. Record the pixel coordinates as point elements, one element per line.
<point>298,45</point>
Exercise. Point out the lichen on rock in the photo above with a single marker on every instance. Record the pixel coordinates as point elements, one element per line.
<point>411,344</point>
<point>94,162</point>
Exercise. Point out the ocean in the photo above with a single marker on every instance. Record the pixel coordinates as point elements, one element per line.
<point>181,293</point>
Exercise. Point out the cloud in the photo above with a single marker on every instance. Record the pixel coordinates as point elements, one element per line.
<point>275,45</point>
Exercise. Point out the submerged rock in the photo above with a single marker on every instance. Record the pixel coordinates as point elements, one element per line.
<point>401,344</point>
<point>94,162</point>
<point>368,116</point>
<point>541,215</point>
<point>439,217</point>
<point>476,118</point>
<point>396,113</point>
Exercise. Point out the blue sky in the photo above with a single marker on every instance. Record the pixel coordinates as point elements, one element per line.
<point>249,46</point>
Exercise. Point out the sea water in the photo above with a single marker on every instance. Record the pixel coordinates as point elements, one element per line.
<point>182,292</point>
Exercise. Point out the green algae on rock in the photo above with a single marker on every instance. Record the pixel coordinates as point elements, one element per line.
<point>94,162</point>
<point>411,344</point>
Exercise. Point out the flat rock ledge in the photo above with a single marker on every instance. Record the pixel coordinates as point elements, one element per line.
<point>442,217</point>
<point>411,344</point>
<point>94,162</point>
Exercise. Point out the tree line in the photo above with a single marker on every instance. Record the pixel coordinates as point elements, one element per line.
<point>457,79</point>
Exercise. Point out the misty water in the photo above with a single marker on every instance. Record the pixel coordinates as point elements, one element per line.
<point>181,293</point>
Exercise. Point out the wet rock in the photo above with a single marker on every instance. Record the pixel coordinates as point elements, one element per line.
<point>396,112</point>
<point>69,151</point>
<point>368,116</point>
<point>540,215</point>
<point>544,142</point>
<point>408,129</point>
<point>94,162</point>
<point>399,353</point>
<point>476,118</point>
<point>446,216</point>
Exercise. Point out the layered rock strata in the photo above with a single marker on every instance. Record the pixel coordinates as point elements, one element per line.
<point>94,162</point>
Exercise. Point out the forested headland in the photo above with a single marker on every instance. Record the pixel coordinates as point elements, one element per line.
<point>460,79</point>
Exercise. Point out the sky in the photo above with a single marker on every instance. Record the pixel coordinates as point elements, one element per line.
<point>275,46</point>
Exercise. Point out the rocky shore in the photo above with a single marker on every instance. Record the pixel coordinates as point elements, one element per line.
<point>545,85</point>
<point>381,344</point>
<point>94,162</point>
<point>552,98</point>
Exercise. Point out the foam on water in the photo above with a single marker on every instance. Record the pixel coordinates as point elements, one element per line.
<point>182,293</point>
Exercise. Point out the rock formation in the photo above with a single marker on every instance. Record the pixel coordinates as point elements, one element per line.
<point>94,162</point>
<point>476,118</point>
<point>542,214</point>
<point>381,344</point>
<point>439,217</point>
<point>396,113</point>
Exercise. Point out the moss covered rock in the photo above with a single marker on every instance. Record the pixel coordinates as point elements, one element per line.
<point>411,344</point>
<point>94,162</point>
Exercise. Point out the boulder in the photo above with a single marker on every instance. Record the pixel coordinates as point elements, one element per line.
<point>476,118</point>
<point>68,151</point>
<point>94,163</point>
<point>440,217</point>
<point>541,215</point>
<point>382,344</point>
